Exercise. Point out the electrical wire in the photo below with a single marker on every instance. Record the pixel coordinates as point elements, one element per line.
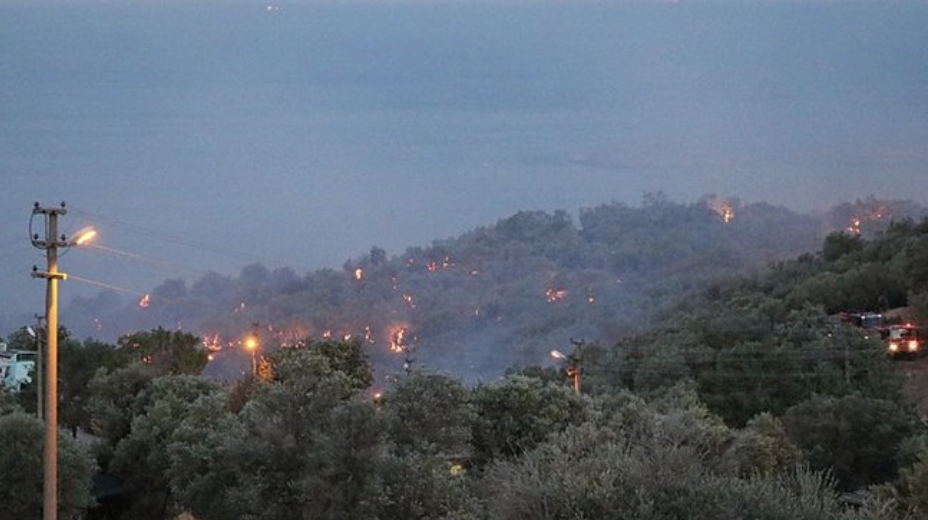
<point>166,237</point>
<point>132,256</point>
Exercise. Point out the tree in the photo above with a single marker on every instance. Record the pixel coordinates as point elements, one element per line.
<point>78,364</point>
<point>762,448</point>
<point>141,460</point>
<point>429,413</point>
<point>167,352</point>
<point>112,402</point>
<point>517,413</point>
<point>855,437</point>
<point>202,471</point>
<point>21,470</point>
<point>839,244</point>
<point>315,448</point>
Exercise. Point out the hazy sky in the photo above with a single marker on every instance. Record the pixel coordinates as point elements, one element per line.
<point>212,135</point>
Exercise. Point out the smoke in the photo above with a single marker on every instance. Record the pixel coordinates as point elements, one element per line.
<point>496,297</point>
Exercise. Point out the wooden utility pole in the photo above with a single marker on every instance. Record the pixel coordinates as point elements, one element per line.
<point>51,275</point>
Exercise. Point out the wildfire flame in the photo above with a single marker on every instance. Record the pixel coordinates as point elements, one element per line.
<point>552,295</point>
<point>410,301</point>
<point>358,274</point>
<point>871,214</point>
<point>145,301</point>
<point>854,228</point>
<point>368,335</point>
<point>399,340</point>
<point>212,343</point>
<point>724,208</point>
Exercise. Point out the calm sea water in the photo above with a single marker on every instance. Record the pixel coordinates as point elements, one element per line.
<point>305,134</point>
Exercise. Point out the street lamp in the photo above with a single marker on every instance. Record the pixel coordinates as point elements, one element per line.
<point>252,344</point>
<point>573,365</point>
<point>51,244</point>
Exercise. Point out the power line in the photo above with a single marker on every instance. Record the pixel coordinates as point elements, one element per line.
<point>104,285</point>
<point>159,235</point>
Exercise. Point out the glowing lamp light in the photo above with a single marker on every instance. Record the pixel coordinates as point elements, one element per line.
<point>913,345</point>
<point>251,343</point>
<point>84,236</point>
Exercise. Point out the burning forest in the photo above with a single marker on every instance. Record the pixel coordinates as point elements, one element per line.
<point>498,296</point>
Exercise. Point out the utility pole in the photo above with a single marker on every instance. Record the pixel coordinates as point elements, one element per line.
<point>51,244</point>
<point>574,370</point>
<point>252,343</point>
<point>38,366</point>
<point>573,362</point>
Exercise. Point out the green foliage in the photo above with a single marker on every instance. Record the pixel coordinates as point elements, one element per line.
<point>168,352</point>
<point>347,357</point>
<point>113,399</point>
<point>517,413</point>
<point>666,462</point>
<point>21,470</point>
<point>913,485</point>
<point>854,437</point>
<point>762,448</point>
<point>839,244</point>
<point>141,459</point>
<point>430,414</point>
<point>78,364</point>
<point>423,486</point>
<point>199,467</point>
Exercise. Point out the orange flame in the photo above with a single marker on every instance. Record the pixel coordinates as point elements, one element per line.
<point>145,301</point>
<point>854,228</point>
<point>724,208</point>
<point>358,274</point>
<point>399,339</point>
<point>410,301</point>
<point>552,295</point>
<point>212,343</point>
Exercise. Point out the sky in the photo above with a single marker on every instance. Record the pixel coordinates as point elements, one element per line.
<point>212,135</point>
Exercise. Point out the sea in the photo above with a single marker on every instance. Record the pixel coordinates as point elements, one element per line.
<point>206,135</point>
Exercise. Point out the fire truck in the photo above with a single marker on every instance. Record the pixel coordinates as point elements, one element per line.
<point>903,340</point>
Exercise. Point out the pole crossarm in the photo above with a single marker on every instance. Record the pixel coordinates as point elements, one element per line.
<point>50,276</point>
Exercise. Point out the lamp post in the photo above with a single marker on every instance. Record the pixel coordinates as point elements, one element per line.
<point>51,244</point>
<point>251,343</point>
<point>573,363</point>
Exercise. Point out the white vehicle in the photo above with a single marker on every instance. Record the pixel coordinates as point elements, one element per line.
<point>16,367</point>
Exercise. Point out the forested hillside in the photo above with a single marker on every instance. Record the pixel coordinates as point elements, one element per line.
<point>763,342</point>
<point>498,296</point>
<point>746,397</point>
